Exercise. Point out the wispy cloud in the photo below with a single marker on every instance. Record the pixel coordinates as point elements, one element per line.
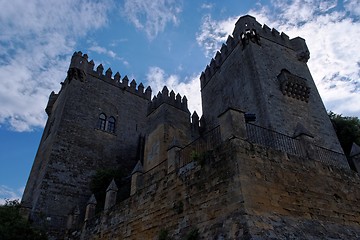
<point>152,16</point>
<point>7,193</point>
<point>94,47</point>
<point>331,34</point>
<point>32,53</point>
<point>353,7</point>
<point>190,87</point>
<point>102,50</point>
<point>207,6</point>
<point>213,33</point>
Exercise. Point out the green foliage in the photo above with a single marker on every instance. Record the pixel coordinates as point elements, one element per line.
<point>100,182</point>
<point>195,156</point>
<point>13,226</point>
<point>193,234</point>
<point>164,235</point>
<point>201,158</point>
<point>347,130</point>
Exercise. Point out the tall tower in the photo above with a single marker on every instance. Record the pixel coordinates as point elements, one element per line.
<point>263,72</point>
<point>94,122</point>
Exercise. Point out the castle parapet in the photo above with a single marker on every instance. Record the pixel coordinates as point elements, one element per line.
<point>249,24</point>
<point>216,62</point>
<point>164,97</point>
<point>80,67</point>
<point>248,29</point>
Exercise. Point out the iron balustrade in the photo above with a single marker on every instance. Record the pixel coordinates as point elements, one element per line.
<point>275,140</point>
<point>282,142</point>
<point>330,157</point>
<point>255,134</point>
<point>208,141</point>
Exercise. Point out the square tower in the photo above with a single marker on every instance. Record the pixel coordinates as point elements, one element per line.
<point>263,72</point>
<point>95,122</point>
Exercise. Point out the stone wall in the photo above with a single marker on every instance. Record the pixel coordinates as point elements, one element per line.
<point>73,147</point>
<point>167,125</point>
<point>290,197</point>
<point>239,191</point>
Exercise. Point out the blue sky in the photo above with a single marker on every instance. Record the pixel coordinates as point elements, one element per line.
<point>158,42</point>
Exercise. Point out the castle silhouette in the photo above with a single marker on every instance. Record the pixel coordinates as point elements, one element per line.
<point>263,160</point>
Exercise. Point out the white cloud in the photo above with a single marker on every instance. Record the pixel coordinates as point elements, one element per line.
<point>7,193</point>
<point>327,5</point>
<point>152,16</point>
<point>213,33</point>
<point>190,87</point>
<point>352,6</point>
<point>102,50</point>
<point>207,6</point>
<point>34,37</point>
<point>296,11</point>
<point>330,34</point>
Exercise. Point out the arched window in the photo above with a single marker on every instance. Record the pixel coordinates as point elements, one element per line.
<point>102,121</point>
<point>111,125</point>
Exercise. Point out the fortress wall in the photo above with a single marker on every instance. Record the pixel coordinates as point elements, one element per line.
<point>243,191</point>
<point>290,197</point>
<point>207,198</point>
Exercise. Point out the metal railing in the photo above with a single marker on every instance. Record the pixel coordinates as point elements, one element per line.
<point>276,140</point>
<point>208,141</point>
<point>279,141</point>
<point>329,157</point>
<point>255,134</point>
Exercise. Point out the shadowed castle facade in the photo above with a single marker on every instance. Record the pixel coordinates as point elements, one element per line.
<point>257,88</point>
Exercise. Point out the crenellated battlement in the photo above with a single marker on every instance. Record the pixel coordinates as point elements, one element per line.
<point>248,23</point>
<point>247,29</point>
<point>80,68</point>
<point>218,60</point>
<point>171,99</point>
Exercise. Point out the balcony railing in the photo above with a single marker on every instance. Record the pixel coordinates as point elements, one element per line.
<point>255,134</point>
<point>208,141</point>
<point>276,140</point>
<point>266,137</point>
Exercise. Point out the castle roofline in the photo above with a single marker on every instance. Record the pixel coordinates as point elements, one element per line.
<point>80,67</point>
<point>164,97</point>
<point>245,27</point>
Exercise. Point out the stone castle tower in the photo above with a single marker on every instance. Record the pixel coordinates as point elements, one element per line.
<point>262,72</point>
<point>258,79</point>
<point>94,122</point>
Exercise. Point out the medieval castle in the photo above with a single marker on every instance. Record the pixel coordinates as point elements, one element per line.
<point>262,162</point>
